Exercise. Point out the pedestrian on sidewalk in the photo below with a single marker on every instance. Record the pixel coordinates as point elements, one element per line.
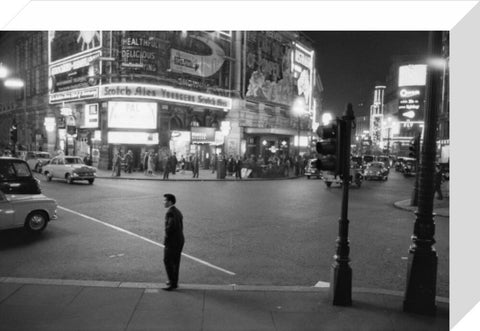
<point>166,163</point>
<point>195,166</point>
<point>129,162</point>
<point>151,164</point>
<point>173,163</point>
<point>173,241</point>
<point>117,164</point>
<point>438,181</point>
<point>182,163</point>
<point>238,168</point>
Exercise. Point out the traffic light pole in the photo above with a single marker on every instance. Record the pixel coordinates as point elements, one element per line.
<point>341,276</point>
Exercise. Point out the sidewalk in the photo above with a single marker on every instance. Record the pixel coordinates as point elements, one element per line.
<point>40,304</point>
<point>440,207</point>
<point>203,175</point>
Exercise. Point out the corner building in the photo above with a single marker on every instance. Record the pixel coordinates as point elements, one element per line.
<point>205,92</point>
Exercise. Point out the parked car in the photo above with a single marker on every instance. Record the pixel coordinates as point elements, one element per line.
<point>32,211</point>
<point>375,170</point>
<point>409,168</point>
<point>311,169</point>
<point>70,168</point>
<point>36,160</point>
<point>17,178</point>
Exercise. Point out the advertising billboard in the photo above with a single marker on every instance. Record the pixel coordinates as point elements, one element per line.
<point>411,103</point>
<point>203,135</point>
<point>65,44</point>
<point>132,115</point>
<point>193,59</point>
<point>75,73</point>
<point>412,75</point>
<point>269,68</point>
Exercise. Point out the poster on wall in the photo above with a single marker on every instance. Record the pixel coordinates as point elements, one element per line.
<point>132,115</point>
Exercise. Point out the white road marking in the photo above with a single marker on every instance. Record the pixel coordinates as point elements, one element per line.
<point>322,284</point>
<point>145,239</point>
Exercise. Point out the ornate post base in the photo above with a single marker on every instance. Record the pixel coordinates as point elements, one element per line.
<point>341,283</point>
<point>421,282</point>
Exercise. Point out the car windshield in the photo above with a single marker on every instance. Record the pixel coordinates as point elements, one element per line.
<point>375,165</point>
<point>73,160</point>
<point>43,156</point>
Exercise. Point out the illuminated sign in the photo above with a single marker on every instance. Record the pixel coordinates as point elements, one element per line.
<point>140,51</point>
<point>411,102</point>
<point>203,135</point>
<point>165,93</point>
<point>80,94</point>
<point>75,73</point>
<point>49,124</point>
<point>269,67</point>
<point>65,111</point>
<point>127,137</point>
<point>198,65</point>
<point>412,75</point>
<point>90,116</point>
<point>66,44</point>
<point>302,65</point>
<point>132,115</point>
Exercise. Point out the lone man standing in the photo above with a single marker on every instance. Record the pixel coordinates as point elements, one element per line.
<point>173,241</point>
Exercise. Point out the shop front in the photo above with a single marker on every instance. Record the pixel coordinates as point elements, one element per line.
<point>161,119</point>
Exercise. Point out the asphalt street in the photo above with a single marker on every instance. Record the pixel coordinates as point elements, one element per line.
<point>246,233</point>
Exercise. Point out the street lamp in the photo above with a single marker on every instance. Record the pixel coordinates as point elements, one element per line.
<point>299,107</point>
<point>16,83</point>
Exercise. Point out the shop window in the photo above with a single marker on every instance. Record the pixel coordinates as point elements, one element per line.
<point>195,122</point>
<point>176,123</point>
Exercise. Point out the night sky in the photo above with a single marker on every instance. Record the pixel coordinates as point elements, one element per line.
<point>351,63</point>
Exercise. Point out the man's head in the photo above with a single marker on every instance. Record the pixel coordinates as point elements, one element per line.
<point>169,200</point>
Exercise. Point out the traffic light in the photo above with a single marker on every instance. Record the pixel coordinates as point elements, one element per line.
<point>13,134</point>
<point>330,146</point>
<point>414,147</point>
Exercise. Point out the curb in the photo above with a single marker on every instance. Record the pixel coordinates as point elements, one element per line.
<point>405,205</point>
<point>198,179</point>
<point>201,287</point>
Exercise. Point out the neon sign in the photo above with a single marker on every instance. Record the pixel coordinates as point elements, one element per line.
<point>166,93</point>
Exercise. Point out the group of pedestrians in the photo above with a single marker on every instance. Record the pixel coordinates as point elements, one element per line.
<point>118,161</point>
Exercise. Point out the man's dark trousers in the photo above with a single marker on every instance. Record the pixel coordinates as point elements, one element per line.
<point>171,259</point>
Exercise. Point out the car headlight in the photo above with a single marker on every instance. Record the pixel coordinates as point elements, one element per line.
<point>74,174</point>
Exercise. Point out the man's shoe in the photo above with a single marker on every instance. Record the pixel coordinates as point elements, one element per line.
<point>169,288</point>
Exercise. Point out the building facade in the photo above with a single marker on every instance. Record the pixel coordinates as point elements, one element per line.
<point>195,92</point>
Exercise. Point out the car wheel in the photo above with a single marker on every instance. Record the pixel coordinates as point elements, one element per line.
<point>48,177</point>
<point>308,177</point>
<point>328,184</point>
<point>69,179</point>
<point>90,181</point>
<point>36,221</point>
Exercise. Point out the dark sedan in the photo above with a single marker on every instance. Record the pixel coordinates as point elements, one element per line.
<point>376,170</point>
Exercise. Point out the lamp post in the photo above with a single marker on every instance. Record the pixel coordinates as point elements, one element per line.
<point>16,83</point>
<point>422,258</point>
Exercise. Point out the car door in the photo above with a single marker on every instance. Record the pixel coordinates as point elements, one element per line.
<point>54,167</point>
<point>6,212</point>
